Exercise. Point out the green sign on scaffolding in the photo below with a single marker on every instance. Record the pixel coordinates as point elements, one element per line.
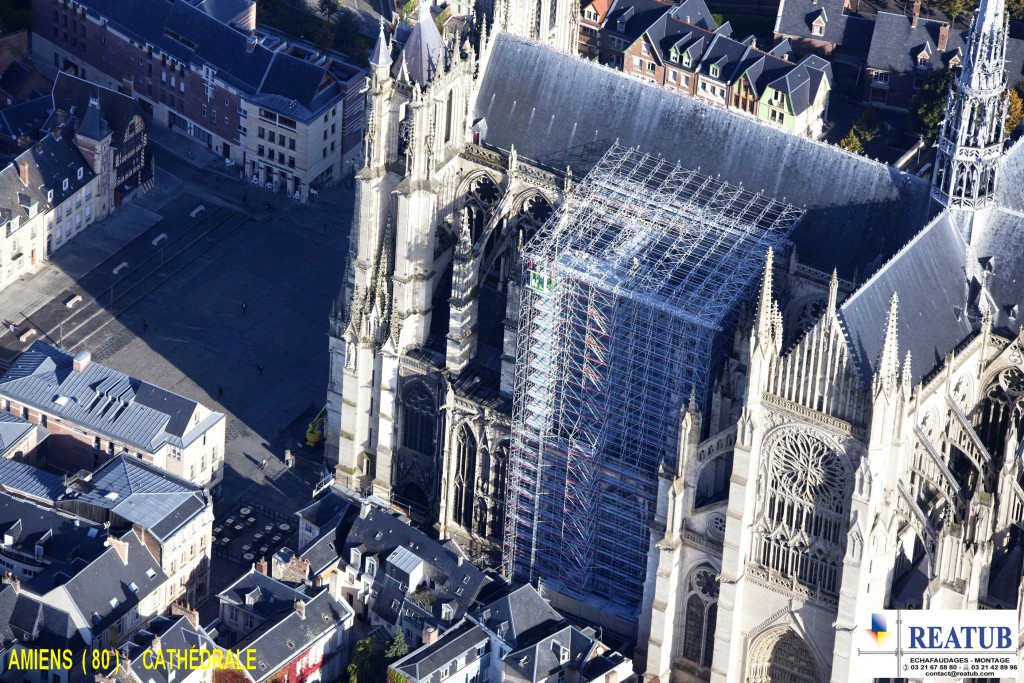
<point>541,282</point>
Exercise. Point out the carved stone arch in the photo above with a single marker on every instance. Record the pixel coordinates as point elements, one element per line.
<point>465,453</point>
<point>780,655</point>
<point>531,209</point>
<point>420,420</point>
<point>713,480</point>
<point>911,571</point>
<point>697,608</point>
<point>479,192</point>
<point>803,508</point>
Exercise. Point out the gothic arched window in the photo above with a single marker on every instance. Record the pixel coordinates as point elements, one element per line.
<point>802,531</point>
<point>701,610</point>
<point>419,424</point>
<point>781,656</point>
<point>465,475</point>
<point>448,116</point>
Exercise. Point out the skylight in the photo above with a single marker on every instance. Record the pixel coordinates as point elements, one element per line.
<point>114,603</point>
<point>151,572</point>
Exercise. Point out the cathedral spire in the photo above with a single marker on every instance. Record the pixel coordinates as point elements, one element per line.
<point>762,328</point>
<point>972,134</point>
<point>381,56</point>
<point>889,360</point>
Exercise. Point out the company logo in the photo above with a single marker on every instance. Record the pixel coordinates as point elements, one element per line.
<point>879,628</point>
<point>953,644</point>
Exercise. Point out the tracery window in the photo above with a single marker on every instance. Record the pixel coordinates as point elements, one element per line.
<point>781,657</point>
<point>701,614</point>
<point>713,481</point>
<point>465,475</point>
<point>419,425</point>
<point>802,528</point>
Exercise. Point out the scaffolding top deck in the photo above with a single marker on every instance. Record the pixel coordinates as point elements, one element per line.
<point>654,232</point>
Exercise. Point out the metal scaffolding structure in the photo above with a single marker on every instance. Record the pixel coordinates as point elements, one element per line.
<point>627,288</point>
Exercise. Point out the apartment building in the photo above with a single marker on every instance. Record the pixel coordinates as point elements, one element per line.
<point>94,413</point>
<point>208,74</point>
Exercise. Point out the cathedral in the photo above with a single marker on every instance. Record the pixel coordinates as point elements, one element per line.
<point>843,433</point>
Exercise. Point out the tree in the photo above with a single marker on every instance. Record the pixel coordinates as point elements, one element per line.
<point>1014,110</point>
<point>397,647</point>
<point>367,663</point>
<point>324,38</point>
<point>851,143</point>
<point>928,107</point>
<point>954,8</point>
<point>867,124</point>
<point>327,8</point>
<point>1015,9</point>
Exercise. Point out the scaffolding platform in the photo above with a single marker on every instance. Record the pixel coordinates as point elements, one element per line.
<point>628,288</point>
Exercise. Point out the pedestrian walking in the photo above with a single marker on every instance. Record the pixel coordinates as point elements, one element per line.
<point>220,392</point>
<point>245,307</point>
<point>145,325</point>
<point>259,369</point>
<point>263,465</point>
<point>245,200</point>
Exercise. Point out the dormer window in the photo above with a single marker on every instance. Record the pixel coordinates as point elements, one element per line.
<point>714,71</point>
<point>65,185</point>
<point>357,558</point>
<point>81,173</point>
<point>686,59</point>
<point>49,196</point>
<point>371,566</point>
<point>818,29</point>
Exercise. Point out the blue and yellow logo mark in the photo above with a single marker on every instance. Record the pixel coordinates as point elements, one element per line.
<point>879,628</point>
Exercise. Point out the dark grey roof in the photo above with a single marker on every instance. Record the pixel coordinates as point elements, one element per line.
<point>261,594</point>
<point>68,544</point>
<point>460,640</point>
<point>694,12</point>
<point>540,660</point>
<point>519,618</point>
<point>12,430</point>
<point>996,250</point>
<point>859,211</point>
<point>104,400</point>
<point>140,493</point>
<point>929,277</point>
<point>424,53</point>
<point>31,482</point>
<point>279,640</point>
<point>35,624</point>
<point>323,510</point>
<point>102,592</point>
<point>726,54</point>
<point>896,44</point>
<point>175,634</point>
<point>200,38</point>
<point>50,161</point>
<point>804,82</point>
<point>72,94</point>
<point>25,118</point>
<point>796,17</point>
<point>634,16</point>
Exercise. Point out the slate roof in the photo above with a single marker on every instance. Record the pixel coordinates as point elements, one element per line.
<point>103,400</point>
<point>28,620</point>
<point>424,661</point>
<point>930,278</point>
<point>26,481</point>
<point>633,17</point>
<point>281,639</point>
<point>69,544</point>
<point>380,533</point>
<point>424,53</point>
<point>72,94</point>
<point>694,12</point>
<point>896,44</point>
<point>12,430</point>
<point>519,618</point>
<point>25,118</point>
<point>796,17</point>
<point>539,660</point>
<point>50,161</point>
<point>140,493</point>
<point>261,594</point>
<point>997,256</point>
<point>804,82</point>
<point>323,510</point>
<point>175,634</point>
<point>207,41</point>
<point>859,211</point>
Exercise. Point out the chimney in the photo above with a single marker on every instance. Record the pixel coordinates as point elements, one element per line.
<point>12,580</point>
<point>429,635</point>
<point>56,131</point>
<point>300,609</point>
<point>121,547</point>
<point>156,644</point>
<point>915,13</point>
<point>943,36</point>
<point>61,115</point>
<point>250,41</point>
<point>261,566</point>
<point>364,509</point>
<point>181,610</point>
<point>81,361</point>
<point>23,172</point>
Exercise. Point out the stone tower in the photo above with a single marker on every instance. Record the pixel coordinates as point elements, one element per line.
<point>93,137</point>
<point>552,22</point>
<point>972,134</point>
<point>416,122</point>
